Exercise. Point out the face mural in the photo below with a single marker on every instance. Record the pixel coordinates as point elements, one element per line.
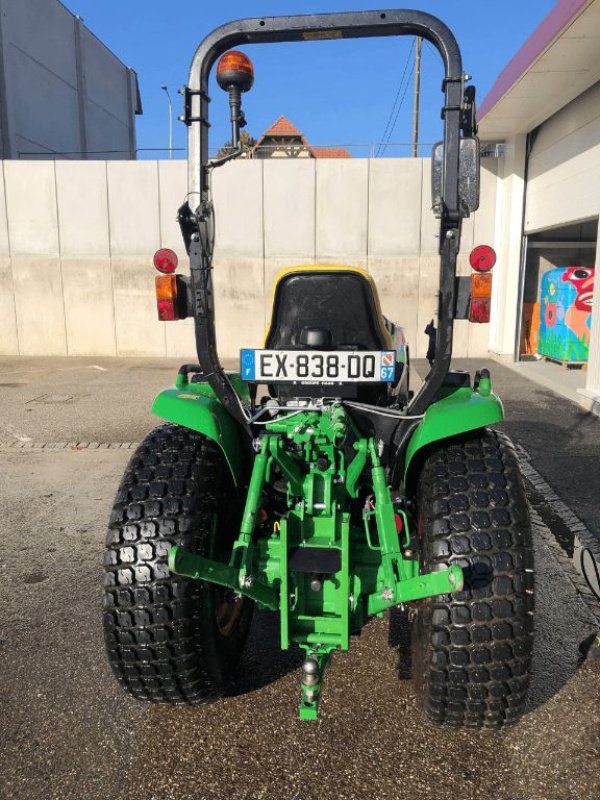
<point>566,313</point>
<point>582,279</point>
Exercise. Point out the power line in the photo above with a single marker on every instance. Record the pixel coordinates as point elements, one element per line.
<point>387,132</point>
<point>393,127</point>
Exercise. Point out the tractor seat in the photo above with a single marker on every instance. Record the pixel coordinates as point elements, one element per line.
<point>326,308</point>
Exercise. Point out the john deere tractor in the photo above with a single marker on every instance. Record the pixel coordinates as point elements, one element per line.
<point>313,481</point>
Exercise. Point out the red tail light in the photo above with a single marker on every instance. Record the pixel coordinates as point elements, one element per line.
<point>480,309</point>
<point>166,297</point>
<point>165,260</point>
<point>482,258</point>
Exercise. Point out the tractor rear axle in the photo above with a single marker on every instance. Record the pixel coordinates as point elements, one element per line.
<point>325,574</point>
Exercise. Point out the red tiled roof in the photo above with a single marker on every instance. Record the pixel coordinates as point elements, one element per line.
<point>282,127</point>
<point>330,152</point>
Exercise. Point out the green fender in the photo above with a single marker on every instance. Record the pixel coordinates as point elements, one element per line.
<point>196,406</point>
<point>457,411</point>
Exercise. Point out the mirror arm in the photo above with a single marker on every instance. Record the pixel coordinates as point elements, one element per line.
<point>218,162</point>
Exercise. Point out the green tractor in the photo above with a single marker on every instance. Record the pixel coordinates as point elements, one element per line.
<point>313,482</point>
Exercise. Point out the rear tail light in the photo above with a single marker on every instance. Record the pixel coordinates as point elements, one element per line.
<point>165,260</point>
<point>480,309</point>
<point>481,284</point>
<point>166,297</point>
<point>482,259</point>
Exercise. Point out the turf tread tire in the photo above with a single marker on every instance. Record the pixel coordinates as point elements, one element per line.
<point>473,648</point>
<point>160,633</point>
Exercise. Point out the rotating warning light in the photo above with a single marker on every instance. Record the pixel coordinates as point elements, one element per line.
<point>235,70</point>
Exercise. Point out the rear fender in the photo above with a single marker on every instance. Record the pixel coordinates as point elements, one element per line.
<point>197,408</point>
<point>458,411</point>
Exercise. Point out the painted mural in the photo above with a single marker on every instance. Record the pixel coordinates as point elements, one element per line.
<point>566,313</point>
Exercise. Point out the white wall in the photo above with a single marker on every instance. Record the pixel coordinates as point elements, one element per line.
<point>564,166</point>
<point>76,275</point>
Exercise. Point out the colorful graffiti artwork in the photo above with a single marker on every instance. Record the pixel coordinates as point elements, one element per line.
<point>566,313</point>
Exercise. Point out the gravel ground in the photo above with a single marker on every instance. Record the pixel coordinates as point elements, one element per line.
<point>68,731</point>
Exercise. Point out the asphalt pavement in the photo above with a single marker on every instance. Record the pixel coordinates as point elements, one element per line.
<point>67,730</point>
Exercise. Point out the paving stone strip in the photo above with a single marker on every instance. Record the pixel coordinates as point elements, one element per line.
<point>68,445</point>
<point>582,536</point>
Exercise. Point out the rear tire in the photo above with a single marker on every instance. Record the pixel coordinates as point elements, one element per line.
<point>171,639</point>
<point>472,654</point>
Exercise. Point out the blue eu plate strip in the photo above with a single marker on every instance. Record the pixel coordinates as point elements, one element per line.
<point>248,365</point>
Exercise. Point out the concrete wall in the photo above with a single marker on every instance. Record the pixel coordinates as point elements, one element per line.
<point>76,274</point>
<point>61,89</point>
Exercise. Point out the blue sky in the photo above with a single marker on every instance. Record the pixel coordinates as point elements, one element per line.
<point>336,92</point>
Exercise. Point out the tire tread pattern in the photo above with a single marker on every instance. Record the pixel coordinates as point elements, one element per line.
<point>158,642</point>
<point>474,646</point>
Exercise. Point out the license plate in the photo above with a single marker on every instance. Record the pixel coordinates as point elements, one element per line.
<point>314,366</point>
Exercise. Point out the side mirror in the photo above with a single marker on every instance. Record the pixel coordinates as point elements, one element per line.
<point>468,176</point>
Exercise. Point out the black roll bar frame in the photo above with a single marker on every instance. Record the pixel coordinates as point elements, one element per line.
<point>197,216</point>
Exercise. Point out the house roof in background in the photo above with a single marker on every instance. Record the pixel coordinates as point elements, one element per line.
<point>282,127</point>
<point>330,152</point>
<point>285,129</point>
<point>559,61</point>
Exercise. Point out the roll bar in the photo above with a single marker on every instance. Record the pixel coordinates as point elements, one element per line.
<point>196,217</point>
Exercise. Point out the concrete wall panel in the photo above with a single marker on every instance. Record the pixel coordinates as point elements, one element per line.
<point>9,340</point>
<point>395,202</point>
<point>81,192</point>
<point>172,179</point>
<point>479,340</point>
<point>133,207</point>
<point>238,193</point>
<point>239,304</point>
<point>429,285</point>
<point>139,332</point>
<point>119,213</point>
<point>4,241</point>
<point>460,338</point>
<point>180,340</point>
<point>342,208</point>
<point>430,225</point>
<point>289,207</point>
<point>31,207</point>
<point>89,308</point>
<point>397,281</point>
<point>39,305</point>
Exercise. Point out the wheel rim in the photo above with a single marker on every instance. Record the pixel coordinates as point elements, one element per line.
<point>228,611</point>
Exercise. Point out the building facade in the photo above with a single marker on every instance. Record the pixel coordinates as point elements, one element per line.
<point>545,110</point>
<point>63,94</point>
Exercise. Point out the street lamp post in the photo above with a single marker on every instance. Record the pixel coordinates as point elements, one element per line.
<point>166,91</point>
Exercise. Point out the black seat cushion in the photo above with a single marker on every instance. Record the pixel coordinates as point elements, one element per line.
<point>339,301</point>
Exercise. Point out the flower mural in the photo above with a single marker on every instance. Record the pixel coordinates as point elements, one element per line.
<point>550,315</point>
